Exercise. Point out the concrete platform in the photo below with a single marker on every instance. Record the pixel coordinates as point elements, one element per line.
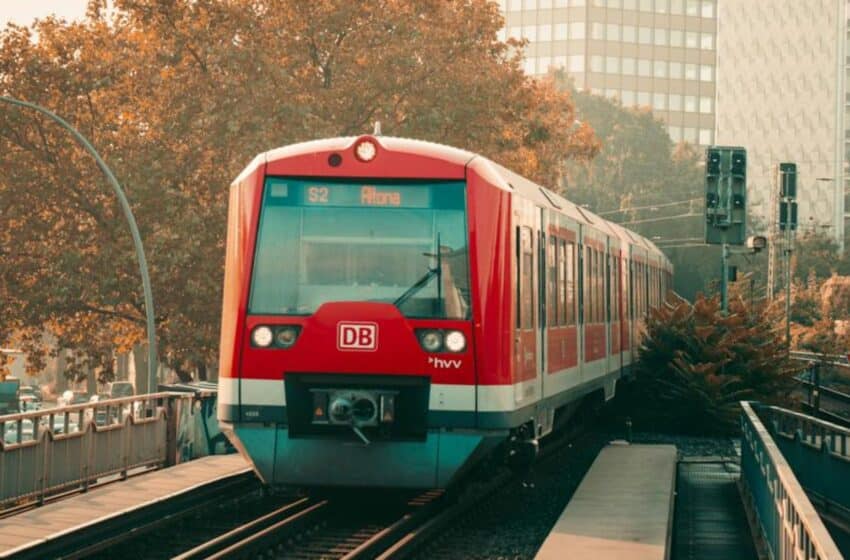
<point>623,509</point>
<point>34,528</point>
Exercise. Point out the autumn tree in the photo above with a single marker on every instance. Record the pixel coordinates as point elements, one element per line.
<point>178,96</point>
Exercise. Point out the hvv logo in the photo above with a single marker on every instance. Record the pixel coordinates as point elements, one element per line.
<point>357,336</point>
<point>440,363</point>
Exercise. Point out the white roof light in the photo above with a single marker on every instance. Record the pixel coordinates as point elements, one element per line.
<point>366,150</point>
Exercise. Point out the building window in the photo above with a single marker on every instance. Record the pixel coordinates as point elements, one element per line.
<point>675,103</point>
<point>707,10</point>
<point>661,37</point>
<point>576,63</point>
<point>529,66</point>
<point>692,7</point>
<point>676,70</point>
<point>611,93</point>
<point>529,4</point>
<point>543,64</point>
<point>706,41</point>
<point>615,4</point>
<point>676,38</point>
<point>529,32</point>
<point>704,105</point>
<point>596,64</point>
<point>646,5</point>
<point>659,69</point>
<point>690,103</point>
<point>560,3</point>
<point>628,98</point>
<point>659,101</point>
<point>645,67</point>
<point>661,6</point>
<point>677,7</point>
<point>544,33</point>
<point>705,137</point>
<point>577,30</point>
<point>501,35</point>
<point>706,73</point>
<point>690,135</point>
<point>560,31</point>
<point>629,33</point>
<point>690,71</point>
<point>645,35</point>
<point>612,64</point>
<point>691,39</point>
<point>643,98</point>
<point>629,66</point>
<point>597,31</point>
<point>560,61</point>
<point>612,32</point>
<point>630,4</point>
<point>544,4</point>
<point>515,32</point>
<point>515,5</point>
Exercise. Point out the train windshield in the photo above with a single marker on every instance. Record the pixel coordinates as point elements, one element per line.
<point>403,243</point>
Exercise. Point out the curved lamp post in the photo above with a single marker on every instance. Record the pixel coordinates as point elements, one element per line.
<point>134,230</point>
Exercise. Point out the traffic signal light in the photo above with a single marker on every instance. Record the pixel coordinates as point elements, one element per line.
<point>725,195</point>
<point>788,180</point>
<point>788,215</point>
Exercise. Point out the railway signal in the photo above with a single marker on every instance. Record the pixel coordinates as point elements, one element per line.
<point>725,204</point>
<point>787,179</point>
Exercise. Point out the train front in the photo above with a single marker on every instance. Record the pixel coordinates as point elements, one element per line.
<point>346,351</point>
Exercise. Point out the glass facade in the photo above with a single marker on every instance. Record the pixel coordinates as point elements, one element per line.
<point>659,54</point>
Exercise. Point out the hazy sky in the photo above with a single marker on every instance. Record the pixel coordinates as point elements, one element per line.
<point>24,11</point>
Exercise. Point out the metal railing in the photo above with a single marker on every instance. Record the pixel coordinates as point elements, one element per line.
<point>783,514</point>
<point>58,450</point>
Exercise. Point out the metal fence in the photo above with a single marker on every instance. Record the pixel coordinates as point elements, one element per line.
<point>65,449</point>
<point>790,526</point>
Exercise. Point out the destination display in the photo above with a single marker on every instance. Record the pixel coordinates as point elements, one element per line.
<point>304,193</point>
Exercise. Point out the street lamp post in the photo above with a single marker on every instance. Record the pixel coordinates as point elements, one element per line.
<point>131,220</point>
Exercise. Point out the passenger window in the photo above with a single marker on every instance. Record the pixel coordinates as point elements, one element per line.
<point>552,286</point>
<point>527,278</point>
<point>570,285</point>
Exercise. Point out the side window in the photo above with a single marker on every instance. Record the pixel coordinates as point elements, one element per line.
<point>527,278</point>
<point>518,295</point>
<point>587,290</point>
<point>552,280</point>
<point>562,284</point>
<point>613,290</point>
<point>570,284</point>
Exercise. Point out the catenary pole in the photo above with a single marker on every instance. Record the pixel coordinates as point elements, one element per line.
<point>131,220</point>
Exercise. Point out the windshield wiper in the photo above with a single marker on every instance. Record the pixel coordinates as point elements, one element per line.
<point>426,278</point>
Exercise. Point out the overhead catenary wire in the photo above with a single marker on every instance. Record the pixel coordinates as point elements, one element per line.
<point>649,207</point>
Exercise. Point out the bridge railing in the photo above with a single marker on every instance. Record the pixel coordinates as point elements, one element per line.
<point>789,524</point>
<point>58,450</point>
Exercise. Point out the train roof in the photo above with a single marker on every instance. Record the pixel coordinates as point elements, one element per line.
<point>498,175</point>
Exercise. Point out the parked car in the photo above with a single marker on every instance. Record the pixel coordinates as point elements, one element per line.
<point>29,402</point>
<point>121,389</point>
<point>59,425</point>
<point>10,434</point>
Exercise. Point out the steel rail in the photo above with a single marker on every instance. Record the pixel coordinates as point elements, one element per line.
<point>239,533</point>
<point>267,536</point>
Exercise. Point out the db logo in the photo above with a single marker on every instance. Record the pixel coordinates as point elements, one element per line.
<point>357,336</point>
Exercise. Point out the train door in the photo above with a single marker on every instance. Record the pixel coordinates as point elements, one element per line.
<point>528,352</point>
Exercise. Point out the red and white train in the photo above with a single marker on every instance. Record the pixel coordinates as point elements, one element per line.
<point>395,309</point>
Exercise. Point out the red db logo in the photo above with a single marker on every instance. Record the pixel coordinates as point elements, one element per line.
<point>357,336</point>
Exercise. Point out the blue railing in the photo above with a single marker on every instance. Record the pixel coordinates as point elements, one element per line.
<point>789,525</point>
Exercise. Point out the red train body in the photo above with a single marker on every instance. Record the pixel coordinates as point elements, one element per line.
<point>394,309</point>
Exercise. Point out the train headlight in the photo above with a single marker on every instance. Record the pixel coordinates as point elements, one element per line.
<point>262,337</point>
<point>285,337</point>
<point>431,341</point>
<point>455,341</point>
<point>365,150</point>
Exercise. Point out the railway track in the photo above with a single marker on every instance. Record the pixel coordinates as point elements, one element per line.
<point>360,525</point>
